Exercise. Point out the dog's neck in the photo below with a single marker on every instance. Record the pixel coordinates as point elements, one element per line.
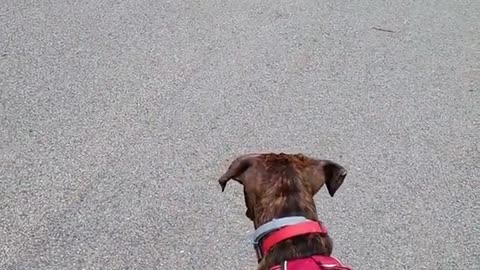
<point>299,246</point>
<point>294,205</point>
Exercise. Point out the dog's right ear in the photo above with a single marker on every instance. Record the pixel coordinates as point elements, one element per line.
<point>329,173</point>
<point>236,169</point>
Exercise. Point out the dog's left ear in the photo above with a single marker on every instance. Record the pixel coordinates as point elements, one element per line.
<point>236,169</point>
<point>329,173</point>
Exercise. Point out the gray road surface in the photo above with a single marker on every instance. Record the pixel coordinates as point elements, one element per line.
<point>118,116</point>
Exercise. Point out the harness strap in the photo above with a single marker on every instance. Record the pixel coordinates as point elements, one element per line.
<point>316,262</point>
<point>292,231</point>
<point>330,262</point>
<point>276,224</point>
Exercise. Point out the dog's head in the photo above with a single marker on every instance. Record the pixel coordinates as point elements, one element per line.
<point>276,180</point>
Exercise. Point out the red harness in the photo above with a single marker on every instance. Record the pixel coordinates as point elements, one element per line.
<point>309,263</point>
<point>313,263</point>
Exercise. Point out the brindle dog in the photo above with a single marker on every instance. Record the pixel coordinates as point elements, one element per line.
<point>281,185</point>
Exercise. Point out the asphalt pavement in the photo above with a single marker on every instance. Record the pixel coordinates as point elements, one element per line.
<point>117,117</point>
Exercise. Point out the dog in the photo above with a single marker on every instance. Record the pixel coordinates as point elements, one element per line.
<point>278,191</point>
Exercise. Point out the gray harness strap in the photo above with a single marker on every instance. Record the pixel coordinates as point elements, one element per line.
<point>274,225</point>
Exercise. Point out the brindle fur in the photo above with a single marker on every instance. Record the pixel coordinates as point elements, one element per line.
<point>280,185</point>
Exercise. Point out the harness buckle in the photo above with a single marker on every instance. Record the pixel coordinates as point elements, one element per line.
<point>258,251</point>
